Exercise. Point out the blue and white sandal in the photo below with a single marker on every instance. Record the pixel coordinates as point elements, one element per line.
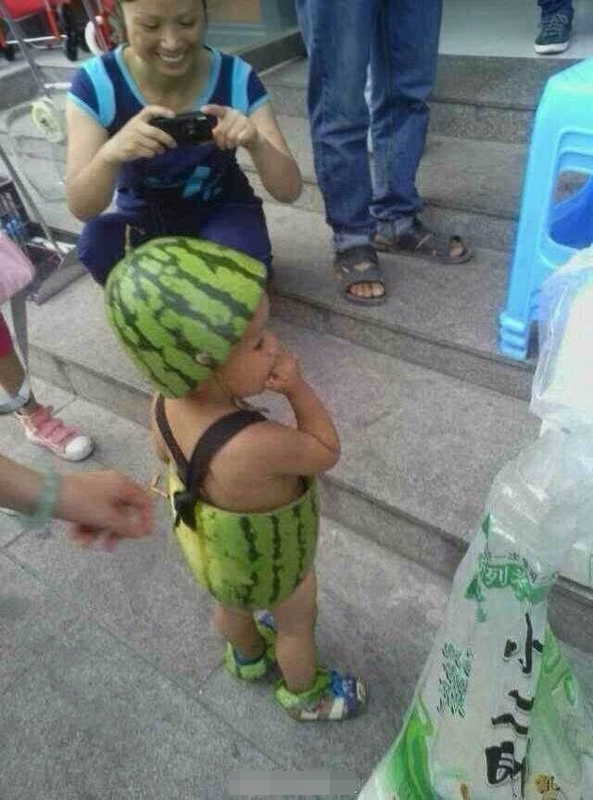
<point>333,697</point>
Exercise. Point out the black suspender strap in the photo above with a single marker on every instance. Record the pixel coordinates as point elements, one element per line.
<point>211,441</point>
<point>167,434</point>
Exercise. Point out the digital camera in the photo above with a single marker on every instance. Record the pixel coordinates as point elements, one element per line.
<point>190,128</point>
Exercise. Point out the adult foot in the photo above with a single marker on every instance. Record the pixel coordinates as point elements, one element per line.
<point>362,278</point>
<point>419,240</point>
<point>45,430</point>
<point>554,34</point>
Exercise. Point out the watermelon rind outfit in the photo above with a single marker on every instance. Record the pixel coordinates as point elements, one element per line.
<point>244,560</point>
<point>252,561</point>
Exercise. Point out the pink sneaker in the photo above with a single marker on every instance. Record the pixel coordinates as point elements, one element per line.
<point>42,428</point>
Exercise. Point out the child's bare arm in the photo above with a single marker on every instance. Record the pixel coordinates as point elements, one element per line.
<point>314,446</point>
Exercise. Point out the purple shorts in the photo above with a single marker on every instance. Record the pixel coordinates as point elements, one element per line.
<point>239,225</point>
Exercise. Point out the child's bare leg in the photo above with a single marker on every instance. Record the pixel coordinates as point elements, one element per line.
<point>12,373</point>
<point>238,627</point>
<point>12,376</point>
<point>295,642</point>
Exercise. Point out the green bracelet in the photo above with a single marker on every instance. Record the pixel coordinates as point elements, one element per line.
<point>46,503</point>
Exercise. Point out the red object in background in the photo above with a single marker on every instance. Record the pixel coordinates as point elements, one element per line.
<point>19,9</point>
<point>59,22</point>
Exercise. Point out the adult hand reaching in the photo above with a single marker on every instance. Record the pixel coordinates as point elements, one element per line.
<point>104,506</point>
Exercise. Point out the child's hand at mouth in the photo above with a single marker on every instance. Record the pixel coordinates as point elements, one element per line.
<point>286,373</point>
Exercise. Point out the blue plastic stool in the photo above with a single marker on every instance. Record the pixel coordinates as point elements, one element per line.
<point>562,140</point>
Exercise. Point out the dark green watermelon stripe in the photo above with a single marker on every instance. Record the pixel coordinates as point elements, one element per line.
<point>276,554</point>
<point>238,308</point>
<point>216,261</point>
<point>276,584</point>
<point>252,586</point>
<point>252,555</point>
<point>178,340</point>
<point>300,543</point>
<point>249,534</point>
<point>176,303</point>
<point>213,262</point>
<point>276,539</point>
<point>142,348</point>
<point>143,344</point>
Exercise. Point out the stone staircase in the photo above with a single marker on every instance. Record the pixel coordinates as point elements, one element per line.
<point>428,411</point>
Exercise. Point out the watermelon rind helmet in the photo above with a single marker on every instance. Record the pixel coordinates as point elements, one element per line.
<point>178,304</point>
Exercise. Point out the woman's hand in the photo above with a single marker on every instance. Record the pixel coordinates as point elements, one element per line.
<point>233,129</point>
<point>104,507</point>
<point>138,138</point>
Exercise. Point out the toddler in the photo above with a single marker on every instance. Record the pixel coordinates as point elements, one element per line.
<point>193,315</point>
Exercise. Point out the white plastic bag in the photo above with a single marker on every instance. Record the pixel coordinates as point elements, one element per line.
<point>562,392</point>
<point>497,712</point>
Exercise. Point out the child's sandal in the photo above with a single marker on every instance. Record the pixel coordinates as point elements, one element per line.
<point>250,670</point>
<point>332,697</point>
<point>261,667</point>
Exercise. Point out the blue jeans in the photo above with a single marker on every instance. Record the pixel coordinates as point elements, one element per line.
<point>398,39</point>
<point>549,7</point>
<point>242,226</point>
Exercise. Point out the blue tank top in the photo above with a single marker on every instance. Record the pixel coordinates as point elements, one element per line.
<point>105,89</point>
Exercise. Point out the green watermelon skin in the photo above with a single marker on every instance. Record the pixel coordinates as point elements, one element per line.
<point>174,299</point>
<point>250,561</point>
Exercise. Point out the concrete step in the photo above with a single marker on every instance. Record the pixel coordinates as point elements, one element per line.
<point>470,187</point>
<point>477,97</point>
<point>441,317</point>
<point>420,448</point>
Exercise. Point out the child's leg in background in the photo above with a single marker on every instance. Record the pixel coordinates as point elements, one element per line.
<point>238,627</point>
<point>295,642</point>
<point>41,427</point>
<point>12,374</point>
